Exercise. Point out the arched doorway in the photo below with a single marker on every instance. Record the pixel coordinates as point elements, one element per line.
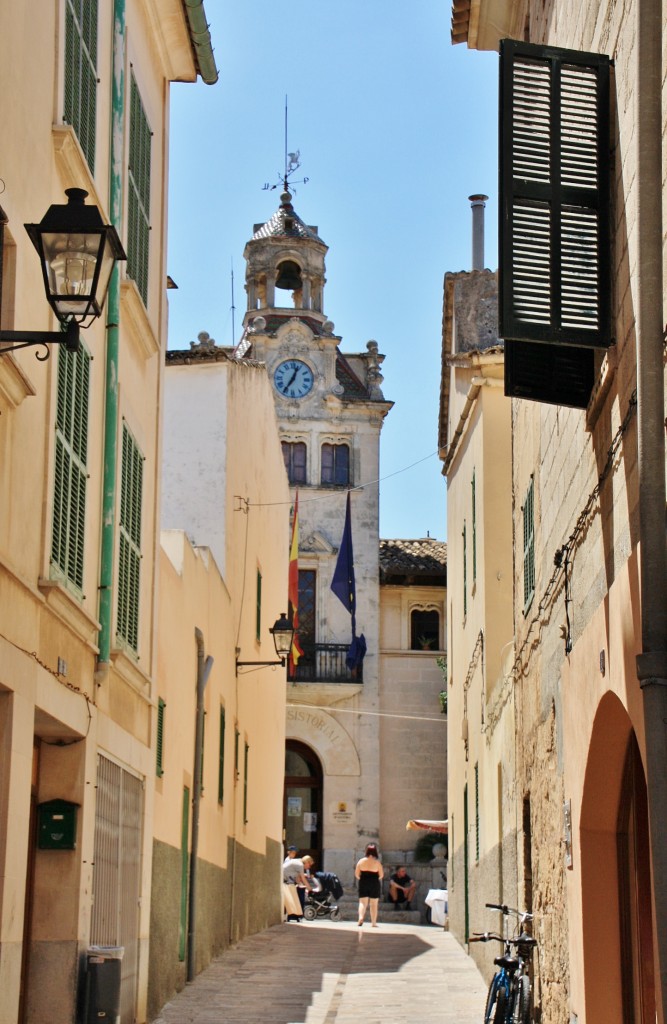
<point>302,807</point>
<point>615,874</point>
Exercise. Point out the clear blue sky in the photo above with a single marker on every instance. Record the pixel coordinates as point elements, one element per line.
<point>396,128</point>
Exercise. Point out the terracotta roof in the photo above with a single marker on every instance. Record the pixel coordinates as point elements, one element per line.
<point>413,561</point>
<point>345,375</point>
<point>286,223</point>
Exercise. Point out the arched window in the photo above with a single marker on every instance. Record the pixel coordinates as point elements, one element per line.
<point>424,630</point>
<point>294,454</point>
<point>335,464</point>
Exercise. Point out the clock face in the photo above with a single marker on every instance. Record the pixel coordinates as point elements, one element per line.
<point>293,378</point>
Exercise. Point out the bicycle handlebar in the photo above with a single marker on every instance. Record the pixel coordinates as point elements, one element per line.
<point>523,915</point>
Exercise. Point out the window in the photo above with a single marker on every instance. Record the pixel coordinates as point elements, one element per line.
<point>69,497</point>
<point>258,607</point>
<point>465,570</point>
<point>294,454</point>
<point>335,464</point>
<point>307,598</point>
<point>424,630</point>
<point>221,758</point>
<point>129,558</point>
<point>555,229</point>
<point>139,194</point>
<point>159,744</point>
<point>477,812</point>
<point>474,528</point>
<point>528,547</point>
<point>246,753</point>
<point>81,73</point>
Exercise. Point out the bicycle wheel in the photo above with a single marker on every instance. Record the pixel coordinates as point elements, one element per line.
<point>521,1012</point>
<point>496,1001</point>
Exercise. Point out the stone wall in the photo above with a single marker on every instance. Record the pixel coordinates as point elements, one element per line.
<point>257,904</point>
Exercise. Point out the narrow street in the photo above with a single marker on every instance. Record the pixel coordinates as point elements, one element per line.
<point>324,973</point>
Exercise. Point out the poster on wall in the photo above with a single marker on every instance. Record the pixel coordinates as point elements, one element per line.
<point>293,806</point>
<point>309,821</point>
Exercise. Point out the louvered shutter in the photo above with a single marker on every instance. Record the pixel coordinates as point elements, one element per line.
<point>80,93</point>
<point>129,557</point>
<point>529,546</point>
<point>139,193</point>
<point>554,276</point>
<point>70,470</point>
<point>159,745</point>
<point>556,374</point>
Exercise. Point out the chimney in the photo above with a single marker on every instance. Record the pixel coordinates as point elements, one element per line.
<point>478,203</point>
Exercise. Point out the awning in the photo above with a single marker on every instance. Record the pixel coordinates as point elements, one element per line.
<point>427,826</point>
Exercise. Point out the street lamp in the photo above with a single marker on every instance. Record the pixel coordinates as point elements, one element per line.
<point>282,632</point>
<point>78,252</point>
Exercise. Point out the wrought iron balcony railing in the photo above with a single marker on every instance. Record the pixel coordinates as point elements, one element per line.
<point>325,663</point>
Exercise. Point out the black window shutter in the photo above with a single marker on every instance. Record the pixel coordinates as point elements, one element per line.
<point>554,278</point>
<point>556,374</point>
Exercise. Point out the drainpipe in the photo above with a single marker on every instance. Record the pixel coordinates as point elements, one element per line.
<point>200,38</point>
<point>652,662</point>
<point>204,666</point>
<point>113,332</point>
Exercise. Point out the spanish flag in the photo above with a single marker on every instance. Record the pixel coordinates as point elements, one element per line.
<point>293,588</point>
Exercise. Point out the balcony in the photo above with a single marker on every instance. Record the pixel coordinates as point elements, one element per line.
<point>324,663</point>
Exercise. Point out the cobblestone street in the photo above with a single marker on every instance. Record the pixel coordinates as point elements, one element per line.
<point>325,973</point>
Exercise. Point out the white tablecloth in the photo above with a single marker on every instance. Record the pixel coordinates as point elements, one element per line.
<point>436,899</point>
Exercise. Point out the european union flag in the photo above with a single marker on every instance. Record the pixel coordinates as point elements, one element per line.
<point>343,584</point>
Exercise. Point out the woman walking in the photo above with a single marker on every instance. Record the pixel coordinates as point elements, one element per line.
<point>369,873</point>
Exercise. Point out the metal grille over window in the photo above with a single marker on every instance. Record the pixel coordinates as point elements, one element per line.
<point>81,73</point>
<point>554,183</point>
<point>71,455</point>
<point>129,561</point>
<point>139,193</point>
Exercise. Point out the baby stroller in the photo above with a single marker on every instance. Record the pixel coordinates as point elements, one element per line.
<point>321,902</point>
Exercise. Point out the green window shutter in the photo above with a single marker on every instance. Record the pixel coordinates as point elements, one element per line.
<point>70,475</point>
<point>159,745</point>
<point>221,759</point>
<point>80,99</point>
<point>139,193</point>
<point>237,737</point>
<point>258,607</point>
<point>474,528</point>
<point>246,754</point>
<point>129,559</point>
<point>465,571</point>
<point>554,262</point>
<point>477,812</point>
<point>529,546</point>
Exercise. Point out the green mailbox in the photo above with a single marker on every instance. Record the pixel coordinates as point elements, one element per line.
<point>56,825</point>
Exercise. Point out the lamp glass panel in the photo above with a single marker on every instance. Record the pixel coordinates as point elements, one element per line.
<point>71,263</point>
<point>282,638</point>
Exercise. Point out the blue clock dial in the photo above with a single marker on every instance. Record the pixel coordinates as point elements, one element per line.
<point>293,378</point>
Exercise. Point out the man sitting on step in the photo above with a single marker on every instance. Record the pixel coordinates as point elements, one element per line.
<point>401,888</point>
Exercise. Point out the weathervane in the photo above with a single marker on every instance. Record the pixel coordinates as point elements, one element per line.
<point>292,164</point>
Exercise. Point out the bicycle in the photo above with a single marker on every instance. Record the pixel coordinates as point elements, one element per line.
<point>508,999</point>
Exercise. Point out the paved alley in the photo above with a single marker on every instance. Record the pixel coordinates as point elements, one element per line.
<point>324,973</point>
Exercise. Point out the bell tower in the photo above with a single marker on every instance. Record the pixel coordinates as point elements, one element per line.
<point>285,265</point>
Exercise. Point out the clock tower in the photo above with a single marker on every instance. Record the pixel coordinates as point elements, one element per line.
<point>330,409</point>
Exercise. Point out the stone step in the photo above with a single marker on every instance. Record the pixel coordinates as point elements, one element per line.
<point>349,905</point>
